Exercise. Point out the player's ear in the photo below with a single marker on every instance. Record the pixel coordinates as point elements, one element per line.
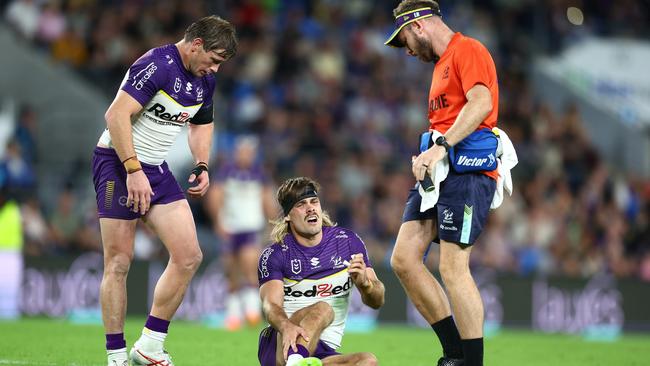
<point>197,43</point>
<point>287,219</point>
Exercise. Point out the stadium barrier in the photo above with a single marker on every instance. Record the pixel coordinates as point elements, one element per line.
<point>69,287</point>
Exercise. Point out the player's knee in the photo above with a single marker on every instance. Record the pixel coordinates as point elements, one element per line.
<point>451,271</point>
<point>323,311</point>
<point>118,265</point>
<point>190,261</point>
<point>368,359</point>
<point>399,263</point>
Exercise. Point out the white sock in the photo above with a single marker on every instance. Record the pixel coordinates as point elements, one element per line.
<point>151,341</point>
<point>111,352</point>
<point>293,359</point>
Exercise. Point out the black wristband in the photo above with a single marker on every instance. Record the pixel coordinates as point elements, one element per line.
<point>442,141</point>
<point>199,168</point>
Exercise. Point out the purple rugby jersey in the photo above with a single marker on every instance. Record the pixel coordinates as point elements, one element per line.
<point>312,274</point>
<point>170,96</point>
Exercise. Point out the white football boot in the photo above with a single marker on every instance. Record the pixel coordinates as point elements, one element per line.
<point>141,358</point>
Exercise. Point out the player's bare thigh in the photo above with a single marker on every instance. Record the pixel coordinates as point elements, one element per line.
<point>118,237</point>
<point>174,225</point>
<point>413,239</point>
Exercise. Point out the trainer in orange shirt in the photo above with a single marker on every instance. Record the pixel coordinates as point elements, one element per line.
<point>463,99</point>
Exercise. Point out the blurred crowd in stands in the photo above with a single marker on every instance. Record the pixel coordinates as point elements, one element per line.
<point>328,100</point>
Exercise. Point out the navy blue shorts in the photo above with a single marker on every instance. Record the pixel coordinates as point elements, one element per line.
<point>462,208</point>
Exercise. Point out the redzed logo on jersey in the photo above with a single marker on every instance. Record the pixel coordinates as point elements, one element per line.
<point>320,290</point>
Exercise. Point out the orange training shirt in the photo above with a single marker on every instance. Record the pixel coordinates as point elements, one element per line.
<point>465,63</point>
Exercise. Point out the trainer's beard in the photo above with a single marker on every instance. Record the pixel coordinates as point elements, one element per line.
<point>424,48</point>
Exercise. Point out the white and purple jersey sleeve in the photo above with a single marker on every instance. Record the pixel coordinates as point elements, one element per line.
<point>170,97</point>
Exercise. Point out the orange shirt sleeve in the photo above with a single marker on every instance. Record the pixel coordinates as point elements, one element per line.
<point>474,65</point>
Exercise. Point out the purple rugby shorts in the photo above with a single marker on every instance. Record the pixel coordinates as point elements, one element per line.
<point>109,178</point>
<point>268,347</point>
<point>237,241</point>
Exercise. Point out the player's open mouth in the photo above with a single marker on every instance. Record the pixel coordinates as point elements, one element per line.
<point>312,219</point>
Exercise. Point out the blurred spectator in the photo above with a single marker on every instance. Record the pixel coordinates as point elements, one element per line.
<point>66,223</point>
<point>24,16</point>
<point>26,132</point>
<point>35,228</point>
<point>18,172</point>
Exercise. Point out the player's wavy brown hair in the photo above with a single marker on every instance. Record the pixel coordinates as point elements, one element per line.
<point>288,191</point>
<point>216,33</point>
<point>406,5</point>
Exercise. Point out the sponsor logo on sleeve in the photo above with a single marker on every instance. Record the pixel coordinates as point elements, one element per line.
<point>143,76</point>
<point>264,259</point>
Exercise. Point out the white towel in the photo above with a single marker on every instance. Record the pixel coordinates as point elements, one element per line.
<point>438,174</point>
<point>507,160</point>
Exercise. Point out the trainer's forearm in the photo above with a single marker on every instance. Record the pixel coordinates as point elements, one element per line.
<point>373,295</point>
<point>200,141</point>
<point>470,117</point>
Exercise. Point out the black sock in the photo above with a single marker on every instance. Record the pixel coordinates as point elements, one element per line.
<point>473,350</point>
<point>449,337</point>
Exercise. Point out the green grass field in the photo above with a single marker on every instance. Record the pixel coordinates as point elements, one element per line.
<point>57,342</point>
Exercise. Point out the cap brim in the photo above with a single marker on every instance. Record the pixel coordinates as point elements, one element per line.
<point>393,39</point>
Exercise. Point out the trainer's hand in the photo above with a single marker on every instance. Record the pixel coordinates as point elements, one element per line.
<point>357,271</point>
<point>290,333</point>
<point>202,182</point>
<point>424,163</point>
<point>139,192</point>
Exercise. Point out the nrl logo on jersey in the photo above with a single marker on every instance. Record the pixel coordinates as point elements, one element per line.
<point>177,85</point>
<point>296,266</point>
